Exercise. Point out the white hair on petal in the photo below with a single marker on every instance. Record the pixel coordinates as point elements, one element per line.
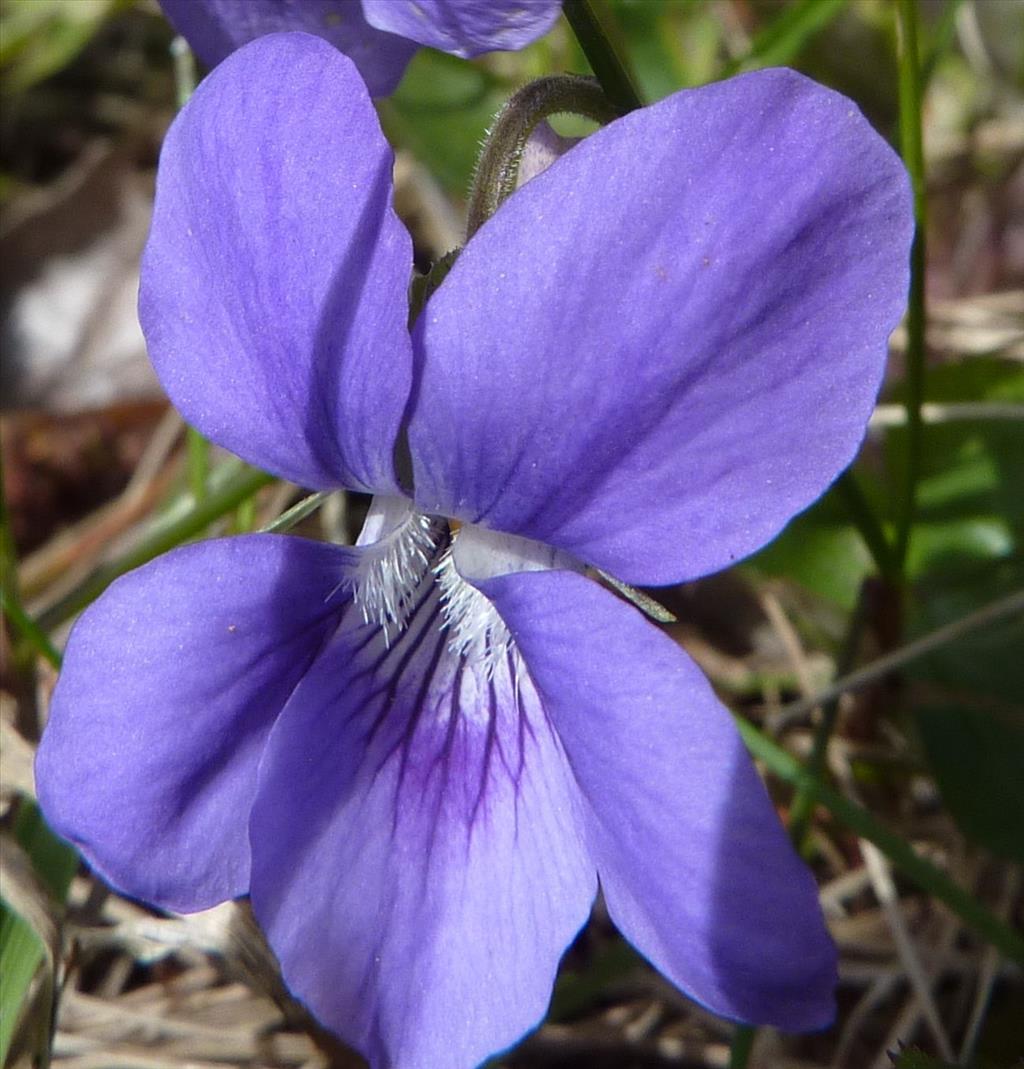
<point>386,580</point>
<point>476,631</point>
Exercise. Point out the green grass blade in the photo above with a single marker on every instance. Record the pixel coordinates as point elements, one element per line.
<point>781,41</point>
<point>229,487</point>
<point>22,951</point>
<point>912,147</point>
<point>859,820</point>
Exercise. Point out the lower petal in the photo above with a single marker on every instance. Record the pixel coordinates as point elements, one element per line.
<point>695,867</point>
<point>418,855</point>
<point>170,684</point>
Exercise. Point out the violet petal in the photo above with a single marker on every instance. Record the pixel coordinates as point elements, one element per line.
<point>668,343</point>
<point>418,863</point>
<point>465,28</point>
<point>273,292</point>
<point>215,28</point>
<point>170,684</point>
<point>695,867</point>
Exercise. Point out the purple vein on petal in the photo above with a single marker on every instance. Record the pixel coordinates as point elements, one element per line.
<point>434,782</point>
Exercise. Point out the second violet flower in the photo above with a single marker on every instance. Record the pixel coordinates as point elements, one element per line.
<point>379,36</point>
<point>422,755</point>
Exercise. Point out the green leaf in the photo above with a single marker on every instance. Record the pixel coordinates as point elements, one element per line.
<point>970,710</point>
<point>577,991</point>
<point>783,39</point>
<point>970,507</point>
<point>22,950</point>
<point>54,861</point>
<point>40,37</point>
<point>21,953</point>
<point>977,760</point>
<point>915,1059</point>
<point>670,45</point>
<point>820,550</point>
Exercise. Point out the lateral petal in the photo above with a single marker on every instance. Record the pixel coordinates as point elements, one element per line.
<point>465,27</point>
<point>695,867</point>
<point>667,344</point>
<point>215,28</point>
<point>273,291</point>
<point>418,859</point>
<point>170,684</point>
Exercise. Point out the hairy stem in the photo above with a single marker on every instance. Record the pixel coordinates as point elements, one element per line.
<point>497,169</point>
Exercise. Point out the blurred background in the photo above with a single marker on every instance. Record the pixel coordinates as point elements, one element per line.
<point>97,477</point>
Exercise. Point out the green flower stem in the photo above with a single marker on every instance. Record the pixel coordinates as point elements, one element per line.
<point>803,800</point>
<point>592,23</point>
<point>198,462</point>
<point>28,628</point>
<point>859,820</point>
<point>741,1046</point>
<point>245,517</point>
<point>867,523</point>
<point>185,520</point>
<point>912,147</point>
<point>497,169</point>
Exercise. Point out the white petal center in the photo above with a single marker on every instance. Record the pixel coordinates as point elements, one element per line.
<point>405,553</point>
<point>398,545</point>
<point>476,631</point>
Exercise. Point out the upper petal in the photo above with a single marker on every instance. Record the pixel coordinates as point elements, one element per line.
<point>465,27</point>
<point>418,863</point>
<point>669,342</point>
<point>695,867</point>
<point>170,684</point>
<point>215,28</point>
<point>273,291</point>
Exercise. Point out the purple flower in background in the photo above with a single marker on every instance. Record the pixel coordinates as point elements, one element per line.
<point>422,755</point>
<point>379,36</point>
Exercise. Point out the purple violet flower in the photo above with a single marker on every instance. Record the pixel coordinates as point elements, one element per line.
<point>422,755</point>
<point>379,36</point>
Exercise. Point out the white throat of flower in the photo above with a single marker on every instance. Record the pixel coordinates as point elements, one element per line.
<point>475,630</point>
<point>409,560</point>
<point>398,545</point>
